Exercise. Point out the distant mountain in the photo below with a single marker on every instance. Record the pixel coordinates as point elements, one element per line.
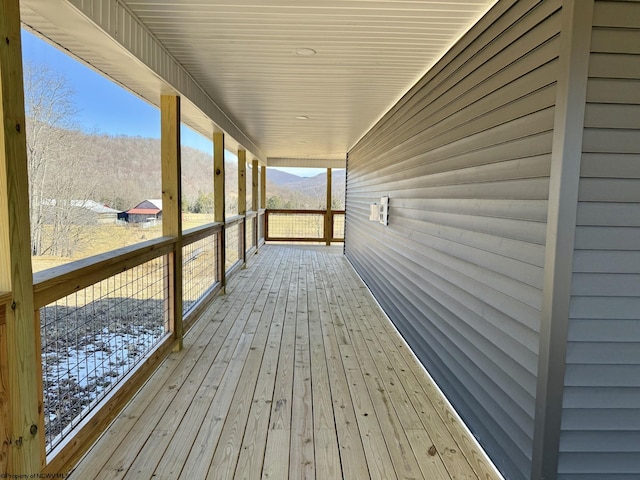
<point>123,171</point>
<point>305,192</point>
<point>280,178</point>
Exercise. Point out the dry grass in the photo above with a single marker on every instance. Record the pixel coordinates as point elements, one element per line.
<point>97,239</point>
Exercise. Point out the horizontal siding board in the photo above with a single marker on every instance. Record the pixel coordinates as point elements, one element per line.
<point>602,376</point>
<point>531,232</point>
<point>618,419</point>
<point>614,190</point>
<point>610,140</point>
<point>489,268</point>
<point>444,239</point>
<point>494,324</point>
<point>601,398</point>
<point>611,330</point>
<point>533,143</point>
<point>531,167</point>
<point>451,270</point>
<point>608,165</point>
<point>605,285</point>
<point>596,442</point>
<point>607,90</point>
<point>600,352</point>
<point>597,476</point>
<point>530,189</point>
<point>607,238</point>
<point>526,255</point>
<point>454,143</point>
<point>599,463</point>
<point>530,210</point>
<point>606,261</point>
<point>616,14</point>
<point>608,214</point>
<point>620,308</point>
<point>612,115</point>
<point>615,40</point>
<point>532,90</point>
<point>610,65</point>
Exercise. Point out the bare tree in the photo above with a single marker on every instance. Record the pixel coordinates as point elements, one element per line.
<point>55,159</point>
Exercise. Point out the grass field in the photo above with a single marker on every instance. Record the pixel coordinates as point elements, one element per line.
<point>95,239</point>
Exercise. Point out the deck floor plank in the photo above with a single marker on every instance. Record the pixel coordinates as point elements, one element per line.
<point>255,439</point>
<point>301,461</point>
<point>351,449</point>
<point>293,373</point>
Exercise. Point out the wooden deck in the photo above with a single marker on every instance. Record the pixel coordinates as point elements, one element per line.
<point>294,373</point>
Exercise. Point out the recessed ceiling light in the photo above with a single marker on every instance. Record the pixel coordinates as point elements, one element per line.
<point>305,52</point>
<point>302,117</point>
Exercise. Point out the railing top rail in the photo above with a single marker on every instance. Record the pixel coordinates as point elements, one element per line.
<point>252,214</point>
<point>295,212</point>
<point>262,210</point>
<point>229,222</point>
<point>197,233</point>
<point>5,298</point>
<point>58,282</point>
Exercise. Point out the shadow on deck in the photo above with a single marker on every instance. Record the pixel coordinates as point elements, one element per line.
<point>294,373</point>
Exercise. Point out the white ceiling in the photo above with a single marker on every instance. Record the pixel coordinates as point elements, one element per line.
<point>242,53</point>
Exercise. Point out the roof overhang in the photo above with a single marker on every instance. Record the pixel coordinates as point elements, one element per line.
<point>293,83</point>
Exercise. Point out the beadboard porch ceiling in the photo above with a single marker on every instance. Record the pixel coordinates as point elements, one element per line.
<point>301,79</point>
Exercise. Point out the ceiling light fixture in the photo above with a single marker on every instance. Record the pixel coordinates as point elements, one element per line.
<point>305,52</point>
<point>302,117</point>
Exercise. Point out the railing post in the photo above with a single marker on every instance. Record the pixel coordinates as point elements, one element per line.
<point>242,200</point>
<point>263,200</point>
<point>254,200</point>
<point>172,207</point>
<point>218,204</point>
<point>21,435</point>
<point>328,220</point>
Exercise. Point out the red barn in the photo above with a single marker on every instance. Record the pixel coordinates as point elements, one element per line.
<point>146,211</point>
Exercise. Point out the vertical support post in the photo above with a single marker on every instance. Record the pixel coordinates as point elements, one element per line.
<point>172,206</point>
<point>263,187</point>
<point>255,200</point>
<point>566,156</point>
<point>328,221</point>
<point>20,434</point>
<point>218,202</point>
<point>254,185</point>
<point>242,199</point>
<point>263,200</point>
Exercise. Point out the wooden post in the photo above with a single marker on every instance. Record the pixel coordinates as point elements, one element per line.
<point>20,411</point>
<point>172,207</point>
<point>328,224</point>
<point>254,185</point>
<point>242,200</point>
<point>263,187</point>
<point>263,200</point>
<point>218,201</point>
<point>255,200</point>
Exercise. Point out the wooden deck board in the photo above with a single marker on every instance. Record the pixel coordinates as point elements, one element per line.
<point>294,373</point>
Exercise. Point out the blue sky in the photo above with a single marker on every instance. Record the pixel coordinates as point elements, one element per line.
<point>114,111</point>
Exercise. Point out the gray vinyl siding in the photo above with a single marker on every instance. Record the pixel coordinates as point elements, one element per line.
<point>600,437</point>
<point>465,159</point>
